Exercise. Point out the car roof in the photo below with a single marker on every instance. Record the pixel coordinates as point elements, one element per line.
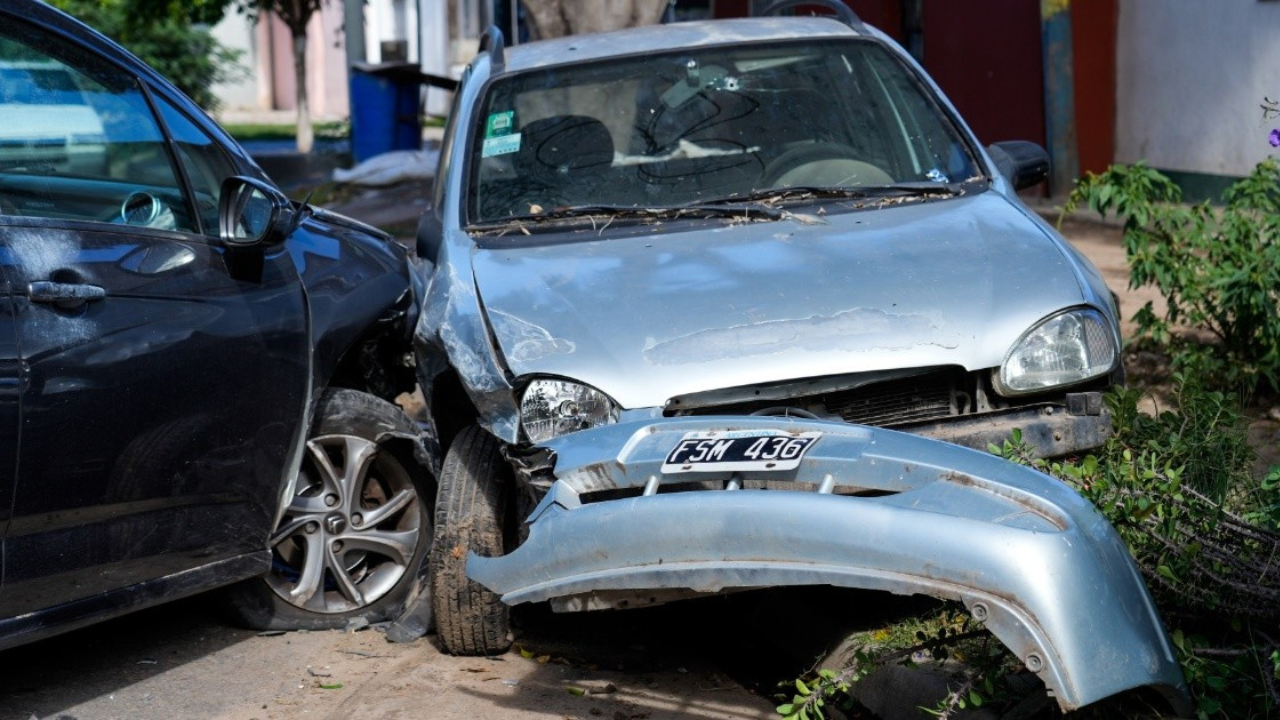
<point>674,36</point>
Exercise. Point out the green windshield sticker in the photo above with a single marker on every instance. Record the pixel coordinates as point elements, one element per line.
<point>500,124</point>
<point>502,145</point>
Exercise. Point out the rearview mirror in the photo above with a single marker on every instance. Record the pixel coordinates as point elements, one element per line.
<point>251,211</point>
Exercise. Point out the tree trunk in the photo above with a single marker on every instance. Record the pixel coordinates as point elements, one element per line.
<point>556,18</point>
<point>306,136</point>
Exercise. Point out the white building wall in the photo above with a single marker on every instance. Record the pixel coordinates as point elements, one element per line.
<point>436,57</point>
<point>245,92</point>
<point>426,25</point>
<point>1190,77</point>
<point>266,81</point>
<point>386,20</point>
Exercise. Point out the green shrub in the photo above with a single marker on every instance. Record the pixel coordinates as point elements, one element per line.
<point>1205,439</point>
<point>948,633</point>
<point>1208,549</point>
<point>1217,268</point>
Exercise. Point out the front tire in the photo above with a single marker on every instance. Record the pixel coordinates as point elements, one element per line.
<point>359,523</point>
<point>471,513</point>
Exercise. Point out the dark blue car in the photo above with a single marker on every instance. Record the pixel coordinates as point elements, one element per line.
<point>195,372</point>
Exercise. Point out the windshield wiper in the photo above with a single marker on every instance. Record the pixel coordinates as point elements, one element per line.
<point>610,213</point>
<point>754,206</point>
<point>856,192</point>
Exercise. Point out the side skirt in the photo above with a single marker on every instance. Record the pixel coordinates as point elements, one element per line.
<point>45,623</point>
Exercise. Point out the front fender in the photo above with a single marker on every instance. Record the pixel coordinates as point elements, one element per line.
<point>870,509</point>
<point>452,333</point>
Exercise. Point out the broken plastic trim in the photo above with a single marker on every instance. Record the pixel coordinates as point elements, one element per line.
<point>1028,556</point>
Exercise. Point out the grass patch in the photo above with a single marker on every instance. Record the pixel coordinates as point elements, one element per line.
<point>248,132</point>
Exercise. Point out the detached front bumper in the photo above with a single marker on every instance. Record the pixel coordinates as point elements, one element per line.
<point>866,508</point>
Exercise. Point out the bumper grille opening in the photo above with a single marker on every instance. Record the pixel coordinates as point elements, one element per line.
<point>930,396</point>
<point>704,485</point>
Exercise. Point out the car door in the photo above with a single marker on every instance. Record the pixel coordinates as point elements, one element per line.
<point>10,382</point>
<point>166,376</point>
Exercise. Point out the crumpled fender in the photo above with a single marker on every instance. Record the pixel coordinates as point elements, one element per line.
<point>452,332</point>
<point>873,509</point>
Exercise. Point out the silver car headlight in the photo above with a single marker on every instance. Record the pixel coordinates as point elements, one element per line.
<point>1065,349</point>
<point>551,408</point>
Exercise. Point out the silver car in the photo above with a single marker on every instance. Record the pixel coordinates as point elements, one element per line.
<point>680,279</point>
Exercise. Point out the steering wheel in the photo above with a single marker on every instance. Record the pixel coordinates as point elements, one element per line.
<point>822,164</point>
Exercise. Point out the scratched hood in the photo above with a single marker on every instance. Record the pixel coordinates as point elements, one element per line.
<point>693,307</point>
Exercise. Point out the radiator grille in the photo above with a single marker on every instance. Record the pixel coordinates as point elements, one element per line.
<point>896,402</point>
<point>932,396</point>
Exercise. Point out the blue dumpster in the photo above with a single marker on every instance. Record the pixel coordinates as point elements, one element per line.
<point>385,108</point>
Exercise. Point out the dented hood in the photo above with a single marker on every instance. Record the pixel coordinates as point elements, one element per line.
<point>692,306</point>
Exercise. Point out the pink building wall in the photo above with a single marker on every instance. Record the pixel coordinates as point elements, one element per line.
<point>327,88</point>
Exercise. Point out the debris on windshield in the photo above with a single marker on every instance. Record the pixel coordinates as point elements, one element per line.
<point>804,218</point>
<point>600,217</point>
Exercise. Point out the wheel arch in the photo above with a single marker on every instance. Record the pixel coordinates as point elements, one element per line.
<point>340,415</point>
<point>377,360</point>
<point>449,407</point>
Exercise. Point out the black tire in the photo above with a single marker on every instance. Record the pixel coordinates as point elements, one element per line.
<point>471,511</point>
<point>321,531</point>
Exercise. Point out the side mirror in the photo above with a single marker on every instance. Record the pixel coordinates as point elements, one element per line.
<point>430,235</point>
<point>251,212</point>
<point>1022,163</point>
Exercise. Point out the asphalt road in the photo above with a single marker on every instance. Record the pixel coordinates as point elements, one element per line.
<point>181,660</point>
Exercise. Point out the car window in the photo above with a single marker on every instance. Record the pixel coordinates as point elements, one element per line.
<point>78,139</point>
<point>203,160</point>
<point>709,124</point>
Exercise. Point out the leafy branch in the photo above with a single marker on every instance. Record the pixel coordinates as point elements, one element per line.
<point>809,700</point>
<point>1218,269</point>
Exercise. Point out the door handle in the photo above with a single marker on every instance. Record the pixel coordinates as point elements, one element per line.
<point>66,295</point>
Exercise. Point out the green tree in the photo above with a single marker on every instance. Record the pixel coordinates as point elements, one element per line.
<point>168,35</point>
<point>295,14</point>
<point>1218,268</point>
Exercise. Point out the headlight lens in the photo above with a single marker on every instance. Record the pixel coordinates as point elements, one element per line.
<point>551,408</point>
<point>1065,349</point>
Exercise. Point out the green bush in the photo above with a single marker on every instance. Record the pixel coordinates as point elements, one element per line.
<point>947,633</point>
<point>1207,547</point>
<point>1217,268</point>
<point>1205,439</point>
<point>1178,489</point>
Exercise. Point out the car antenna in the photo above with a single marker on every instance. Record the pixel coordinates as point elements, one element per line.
<point>304,211</point>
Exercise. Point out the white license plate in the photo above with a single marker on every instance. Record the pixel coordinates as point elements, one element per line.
<point>739,451</point>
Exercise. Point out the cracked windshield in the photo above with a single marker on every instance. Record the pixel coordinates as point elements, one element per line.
<point>697,127</point>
